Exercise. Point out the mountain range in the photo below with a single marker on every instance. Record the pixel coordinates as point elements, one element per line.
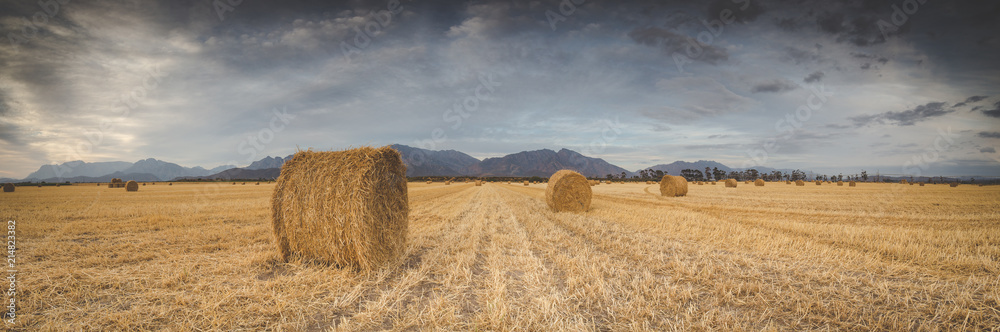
<point>419,162</point>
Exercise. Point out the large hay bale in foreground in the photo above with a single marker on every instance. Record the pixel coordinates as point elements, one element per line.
<point>852,184</point>
<point>730,183</point>
<point>759,183</point>
<point>673,186</point>
<point>568,191</point>
<point>131,185</point>
<point>9,187</point>
<point>347,208</point>
<point>800,183</point>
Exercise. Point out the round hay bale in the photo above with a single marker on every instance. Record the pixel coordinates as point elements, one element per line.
<point>800,183</point>
<point>840,183</point>
<point>759,183</point>
<point>701,183</point>
<point>902,182</point>
<point>9,187</point>
<point>568,191</point>
<point>954,184</point>
<point>346,208</point>
<point>852,184</point>
<point>921,184</point>
<point>479,183</point>
<point>673,186</point>
<point>258,183</point>
<point>170,184</point>
<point>788,182</point>
<point>525,183</point>
<point>730,183</point>
<point>819,183</point>
<point>143,184</point>
<point>746,182</point>
<point>447,183</point>
<point>713,183</point>
<point>429,182</point>
<point>131,185</point>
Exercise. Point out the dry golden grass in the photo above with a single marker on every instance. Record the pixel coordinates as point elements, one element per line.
<point>201,257</point>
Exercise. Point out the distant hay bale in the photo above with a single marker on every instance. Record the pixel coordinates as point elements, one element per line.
<point>143,184</point>
<point>954,184</point>
<point>430,182</point>
<point>258,183</point>
<point>525,183</point>
<point>840,183</point>
<point>713,183</point>
<point>479,183</point>
<point>730,183</point>
<point>673,186</point>
<point>347,208</point>
<point>9,187</point>
<point>921,184</point>
<point>800,183</point>
<point>819,183</point>
<point>852,184</point>
<point>170,184</point>
<point>746,182</point>
<point>759,183</point>
<point>568,191</point>
<point>447,183</point>
<point>131,185</point>
<point>788,182</point>
<point>700,183</point>
<point>902,181</point>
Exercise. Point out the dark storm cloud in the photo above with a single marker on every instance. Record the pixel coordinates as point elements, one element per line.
<point>995,112</point>
<point>671,42</point>
<point>988,150</point>
<point>989,134</point>
<point>970,100</point>
<point>904,118</point>
<point>814,77</point>
<point>774,86</point>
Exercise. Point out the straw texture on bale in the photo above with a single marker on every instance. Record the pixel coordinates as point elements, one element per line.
<point>9,187</point>
<point>346,208</point>
<point>730,183</point>
<point>131,185</point>
<point>759,183</point>
<point>800,183</point>
<point>568,191</point>
<point>673,186</point>
<point>852,184</point>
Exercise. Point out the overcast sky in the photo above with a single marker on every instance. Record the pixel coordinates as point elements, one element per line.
<point>831,86</point>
